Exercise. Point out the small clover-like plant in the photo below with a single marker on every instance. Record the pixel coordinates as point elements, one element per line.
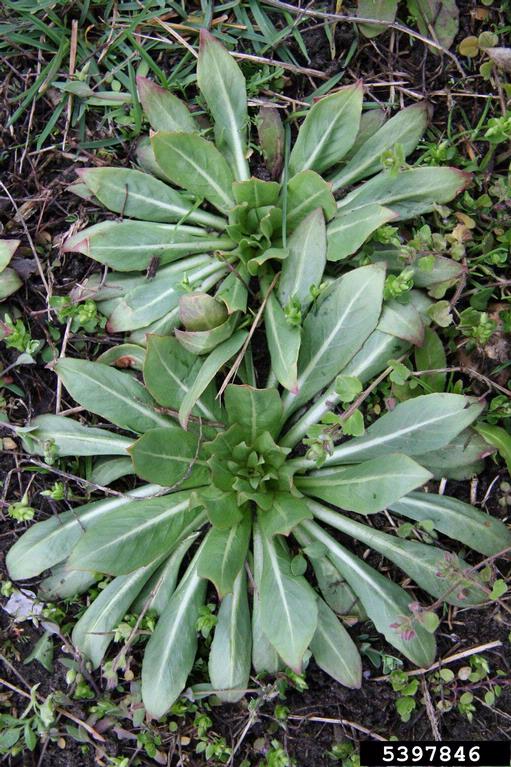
<point>228,507</point>
<point>193,219</point>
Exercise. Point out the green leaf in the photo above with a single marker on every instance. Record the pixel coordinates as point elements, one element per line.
<point>306,261</point>
<point>406,128</point>
<point>368,487</point>
<point>270,132</point>
<point>223,555</point>
<point>107,470</point>
<point>410,192</point>
<point>283,341</point>
<point>382,10</point>
<point>233,290</point>
<point>221,506</point>
<point>164,111</point>
<point>169,457</point>
<point>49,542</point>
<point>161,585</point>
<point>402,321</point>
<point>386,603</point>
<point>255,192</point>
<point>288,605</point>
<point>195,164</point>
<point>348,231</point>
<point>7,250</point>
<point>335,329</point>
<point>152,299</point>
<point>170,652</point>
<point>69,437</point>
<point>139,195</point>
<point>123,356</point>
<point>95,630</point>
<point>426,565</point>
<point>431,356</point>
<point>230,654</point>
<point>462,458</point>
<point>64,583</point>
<point>200,311</point>
<point>347,388</point>
<point>146,529</point>
<point>9,283</point>
<point>204,341</point>
<point>209,368</point>
<point>264,656</point>
<point>458,520</point>
<point>421,424</point>
<point>334,650</point>
<point>285,513</point>
<point>42,652</point>
<point>439,20</point>
<point>307,191</point>
<point>328,131</point>
<point>130,245</point>
<point>169,374</point>
<point>222,84</point>
<point>254,410</point>
<point>113,395</point>
<point>499,438</point>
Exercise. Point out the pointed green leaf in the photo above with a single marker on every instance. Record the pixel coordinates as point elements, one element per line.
<point>367,487</point>
<point>69,437</point>
<point>431,356</point>
<point>381,10</point>
<point>139,195</point>
<point>230,654</point>
<point>146,529</point>
<point>285,513</point>
<point>164,111</point>
<point>410,192</point>
<point>255,192</point>
<point>406,128</point>
<point>328,131</point>
<point>204,341</point>
<point>498,437</point>
<point>195,164</point>
<point>49,542</point>
<point>64,583</point>
<point>223,555</point>
<point>95,630</point>
<point>170,652</point>
<point>288,605</point>
<point>110,393</point>
<point>222,507</point>
<point>254,410</point>
<point>427,565</point>
<point>305,264</point>
<point>233,290</point>
<point>458,520</point>
<point>7,250</point>
<point>157,591</point>
<point>424,423</point>
<point>169,373</point>
<point>169,457</point>
<point>386,603</point>
<point>108,470</point>
<point>264,656</point>
<point>9,283</point>
<point>334,650</point>
<point>222,84</point>
<point>283,340</point>
<point>402,321</point>
<point>270,132</point>
<point>462,458</point>
<point>209,368</point>
<point>335,329</point>
<point>130,245</point>
<point>307,191</point>
<point>348,231</point>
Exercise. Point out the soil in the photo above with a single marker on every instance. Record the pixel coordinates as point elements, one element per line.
<point>320,715</point>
